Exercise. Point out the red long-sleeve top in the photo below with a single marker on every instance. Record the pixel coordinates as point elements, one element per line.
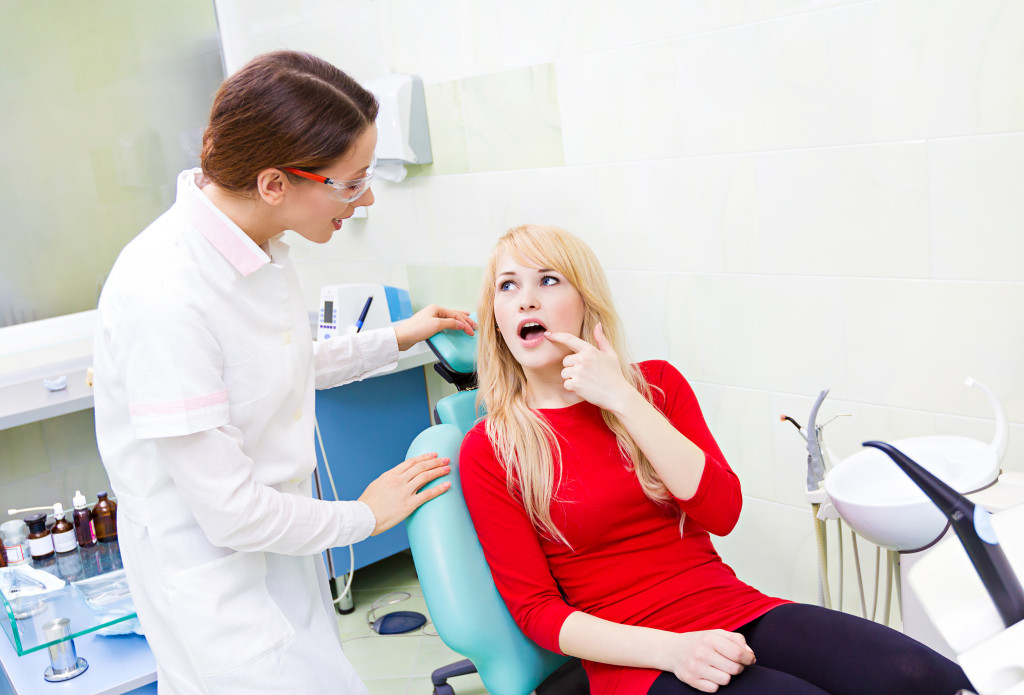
<point>628,562</point>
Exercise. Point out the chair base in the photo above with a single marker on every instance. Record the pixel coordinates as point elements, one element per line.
<point>567,679</point>
<point>439,678</point>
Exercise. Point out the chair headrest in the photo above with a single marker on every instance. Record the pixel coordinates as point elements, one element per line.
<point>456,355</point>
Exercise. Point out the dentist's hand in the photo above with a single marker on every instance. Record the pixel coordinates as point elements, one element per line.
<point>430,320</point>
<point>593,373</point>
<point>708,660</point>
<point>393,496</point>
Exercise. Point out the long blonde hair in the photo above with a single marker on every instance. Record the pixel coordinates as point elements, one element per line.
<point>523,441</point>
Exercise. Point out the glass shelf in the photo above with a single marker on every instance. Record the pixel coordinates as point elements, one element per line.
<point>88,600</point>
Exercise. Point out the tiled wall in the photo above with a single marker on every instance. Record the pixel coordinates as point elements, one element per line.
<point>102,105</point>
<point>788,196</point>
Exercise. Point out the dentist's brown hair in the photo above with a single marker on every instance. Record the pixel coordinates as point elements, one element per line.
<point>284,108</point>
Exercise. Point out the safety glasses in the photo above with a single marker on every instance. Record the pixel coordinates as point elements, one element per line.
<point>342,191</point>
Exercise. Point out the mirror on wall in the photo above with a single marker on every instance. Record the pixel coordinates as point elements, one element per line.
<point>101,105</point>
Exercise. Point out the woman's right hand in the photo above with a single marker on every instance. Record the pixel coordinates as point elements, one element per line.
<point>708,659</point>
<point>393,496</point>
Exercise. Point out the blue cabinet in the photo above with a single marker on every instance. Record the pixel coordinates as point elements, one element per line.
<point>367,427</point>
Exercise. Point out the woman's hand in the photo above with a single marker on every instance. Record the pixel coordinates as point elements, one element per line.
<point>393,496</point>
<point>709,659</point>
<point>430,320</point>
<point>593,373</point>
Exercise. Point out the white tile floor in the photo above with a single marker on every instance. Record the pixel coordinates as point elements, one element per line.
<point>396,664</point>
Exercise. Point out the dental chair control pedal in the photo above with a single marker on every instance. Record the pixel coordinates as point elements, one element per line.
<point>399,622</point>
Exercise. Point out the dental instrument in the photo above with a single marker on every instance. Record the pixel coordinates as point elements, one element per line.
<point>819,461</point>
<point>973,526</point>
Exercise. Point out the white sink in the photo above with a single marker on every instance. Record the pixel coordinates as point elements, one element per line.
<point>883,505</point>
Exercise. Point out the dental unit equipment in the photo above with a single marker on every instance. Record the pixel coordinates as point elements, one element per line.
<point>337,303</point>
<point>973,525</point>
<point>349,308</point>
<point>819,461</point>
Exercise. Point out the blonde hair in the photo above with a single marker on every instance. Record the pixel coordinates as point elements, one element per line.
<point>523,441</point>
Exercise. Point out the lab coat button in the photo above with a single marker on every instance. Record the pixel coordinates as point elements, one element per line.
<point>298,414</point>
<point>288,338</point>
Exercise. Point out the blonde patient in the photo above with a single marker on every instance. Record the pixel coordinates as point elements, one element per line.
<point>595,485</point>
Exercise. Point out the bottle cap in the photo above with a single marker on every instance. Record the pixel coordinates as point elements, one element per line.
<point>58,511</point>
<point>79,500</point>
<point>36,522</point>
<point>101,495</point>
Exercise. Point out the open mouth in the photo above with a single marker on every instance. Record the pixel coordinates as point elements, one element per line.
<point>531,332</point>
<point>337,223</point>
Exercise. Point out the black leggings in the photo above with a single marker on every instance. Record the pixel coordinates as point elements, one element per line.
<point>808,650</point>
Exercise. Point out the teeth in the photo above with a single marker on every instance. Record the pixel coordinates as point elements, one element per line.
<point>531,324</point>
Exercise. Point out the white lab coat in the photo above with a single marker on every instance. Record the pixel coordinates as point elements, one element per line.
<point>204,392</point>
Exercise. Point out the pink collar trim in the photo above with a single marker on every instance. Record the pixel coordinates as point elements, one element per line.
<point>224,235</point>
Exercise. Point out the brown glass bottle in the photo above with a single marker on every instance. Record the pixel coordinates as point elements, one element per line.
<point>84,534</point>
<point>104,519</point>
<point>40,542</point>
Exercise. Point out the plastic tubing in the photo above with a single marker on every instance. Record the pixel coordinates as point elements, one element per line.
<point>878,575</point>
<point>334,491</point>
<point>888,586</point>
<point>819,536</point>
<point>839,525</point>
<point>860,577</point>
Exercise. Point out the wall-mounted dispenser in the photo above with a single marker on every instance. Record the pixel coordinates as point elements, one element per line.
<point>402,136</point>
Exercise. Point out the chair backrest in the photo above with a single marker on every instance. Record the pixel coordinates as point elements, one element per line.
<point>464,604</point>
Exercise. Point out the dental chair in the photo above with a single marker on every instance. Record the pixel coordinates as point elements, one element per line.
<point>464,604</point>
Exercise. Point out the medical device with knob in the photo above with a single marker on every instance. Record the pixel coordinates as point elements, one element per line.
<point>973,526</point>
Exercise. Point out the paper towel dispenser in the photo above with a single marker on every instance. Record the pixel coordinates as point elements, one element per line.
<point>402,135</point>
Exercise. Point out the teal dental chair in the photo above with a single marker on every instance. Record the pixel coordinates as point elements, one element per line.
<point>470,615</point>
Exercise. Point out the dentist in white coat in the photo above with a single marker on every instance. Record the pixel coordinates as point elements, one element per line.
<point>205,371</point>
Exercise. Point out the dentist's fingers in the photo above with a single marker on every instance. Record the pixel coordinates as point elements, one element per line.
<point>430,320</point>
<point>397,493</point>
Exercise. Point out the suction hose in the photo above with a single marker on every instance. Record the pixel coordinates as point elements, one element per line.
<point>973,526</point>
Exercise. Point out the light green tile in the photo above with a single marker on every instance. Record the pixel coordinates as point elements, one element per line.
<point>104,53</point>
<point>433,655</point>
<point>70,440</point>
<point>512,119</point>
<point>455,287</point>
<point>387,686</point>
<point>22,454</point>
<point>383,656</point>
<point>447,131</point>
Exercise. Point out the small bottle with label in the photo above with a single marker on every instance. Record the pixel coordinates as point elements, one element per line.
<point>84,532</point>
<point>40,543</point>
<point>104,519</point>
<point>62,532</point>
<point>15,541</point>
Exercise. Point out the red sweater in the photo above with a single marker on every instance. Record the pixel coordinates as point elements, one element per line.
<point>628,563</point>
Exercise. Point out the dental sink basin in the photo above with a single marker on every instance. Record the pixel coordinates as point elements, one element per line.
<point>884,506</point>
